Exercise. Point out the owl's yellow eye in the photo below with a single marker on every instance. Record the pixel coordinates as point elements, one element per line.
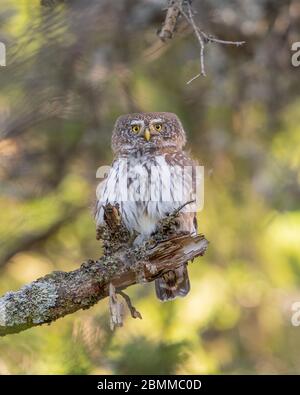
<point>135,128</point>
<point>158,127</point>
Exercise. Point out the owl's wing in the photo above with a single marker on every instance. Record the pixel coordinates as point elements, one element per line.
<point>176,282</point>
<point>187,218</point>
<point>98,209</point>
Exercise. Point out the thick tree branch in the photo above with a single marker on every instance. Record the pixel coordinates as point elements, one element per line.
<point>61,293</point>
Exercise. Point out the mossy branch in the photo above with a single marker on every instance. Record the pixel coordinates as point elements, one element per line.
<point>61,293</point>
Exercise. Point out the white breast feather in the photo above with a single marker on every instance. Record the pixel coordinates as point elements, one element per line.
<point>142,214</point>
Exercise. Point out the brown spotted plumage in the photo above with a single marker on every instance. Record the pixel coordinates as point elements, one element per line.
<point>151,176</point>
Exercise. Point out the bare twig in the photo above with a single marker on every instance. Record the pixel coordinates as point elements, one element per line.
<point>177,211</point>
<point>133,311</point>
<point>175,9</point>
<point>190,19</point>
<point>210,38</point>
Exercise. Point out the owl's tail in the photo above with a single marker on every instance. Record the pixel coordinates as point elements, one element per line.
<point>173,284</point>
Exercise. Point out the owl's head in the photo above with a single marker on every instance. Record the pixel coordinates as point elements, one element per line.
<point>147,131</point>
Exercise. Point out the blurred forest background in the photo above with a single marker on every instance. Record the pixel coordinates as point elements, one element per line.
<point>72,68</point>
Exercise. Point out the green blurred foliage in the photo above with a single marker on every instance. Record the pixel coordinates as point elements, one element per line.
<point>72,69</point>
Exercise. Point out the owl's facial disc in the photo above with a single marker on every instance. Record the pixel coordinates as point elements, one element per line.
<point>138,128</point>
<point>147,130</point>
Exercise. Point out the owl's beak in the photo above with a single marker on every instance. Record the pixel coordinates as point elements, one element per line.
<point>147,134</point>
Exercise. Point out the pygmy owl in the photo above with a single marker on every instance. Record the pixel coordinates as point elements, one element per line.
<point>151,176</point>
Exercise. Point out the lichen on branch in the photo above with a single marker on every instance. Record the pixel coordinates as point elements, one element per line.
<point>122,265</point>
